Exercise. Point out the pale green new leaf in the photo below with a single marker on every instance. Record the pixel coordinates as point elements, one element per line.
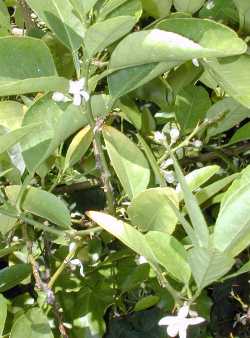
<point>192,206</point>
<point>208,265</point>
<point>232,228</point>
<point>125,233</point>
<point>32,324</point>
<point>102,34</point>
<point>150,210</point>
<point>157,8</point>
<point>43,204</point>
<point>78,147</point>
<point>198,177</point>
<point>170,254</point>
<point>128,161</point>
<point>61,19</point>
<point>11,114</point>
<point>139,48</point>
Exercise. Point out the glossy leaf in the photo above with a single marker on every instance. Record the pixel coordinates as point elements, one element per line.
<point>78,147</point>
<point>150,210</point>
<point>190,6</point>
<point>229,113</point>
<point>191,106</point>
<point>231,231</point>
<point>128,161</point>
<point>241,134</point>
<point>138,48</point>
<point>170,254</point>
<point>11,114</point>
<point>208,265</point>
<point>198,177</point>
<point>125,233</point>
<point>11,138</point>
<point>32,324</point>
<point>146,302</point>
<point>38,72</point>
<point>102,34</point>
<point>43,204</point>
<point>61,20</point>
<point>12,276</point>
<point>117,8</point>
<point>233,75</point>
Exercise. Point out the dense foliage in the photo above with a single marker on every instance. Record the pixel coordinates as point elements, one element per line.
<point>124,184</point>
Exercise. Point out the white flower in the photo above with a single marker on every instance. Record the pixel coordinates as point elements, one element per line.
<point>59,97</point>
<point>177,325</point>
<point>210,4</point>
<point>169,176</point>
<point>174,134</point>
<point>76,88</point>
<point>167,163</point>
<point>142,260</point>
<point>159,137</point>
<point>77,262</point>
<point>195,62</point>
<point>197,144</point>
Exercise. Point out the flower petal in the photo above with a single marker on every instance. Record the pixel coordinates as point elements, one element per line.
<point>183,331</point>
<point>196,320</point>
<point>77,100</point>
<point>183,311</point>
<point>173,330</point>
<point>85,95</point>
<point>168,320</point>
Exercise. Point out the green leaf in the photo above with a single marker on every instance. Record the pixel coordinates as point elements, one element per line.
<point>146,302</point>
<point>32,324</point>
<point>12,276</point>
<point>58,122</point>
<point>222,11</point>
<point>78,147</point>
<point>6,224</point>
<point>231,231</point>
<point>157,8</point>
<point>125,233</point>
<point>194,211</point>
<point>232,113</point>
<point>139,48</point>
<point>11,138</point>
<point>115,8</point>
<point>243,7</point>
<point>61,20</point>
<point>208,265</point>
<point>152,161</point>
<point>244,269</point>
<point>191,106</point>
<point>11,114</point>
<point>43,204</point>
<point>126,80</point>
<point>135,277</point>
<point>102,34</point>
<point>3,313</point>
<point>232,74</point>
<point>212,189</point>
<point>4,20</point>
<point>190,6</point>
<point>208,34</point>
<point>241,134</point>
<point>37,73</point>
<point>9,250</point>
<point>128,161</point>
<point>150,210</point>
<point>130,112</point>
<point>198,177</point>
<point>170,254</point>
